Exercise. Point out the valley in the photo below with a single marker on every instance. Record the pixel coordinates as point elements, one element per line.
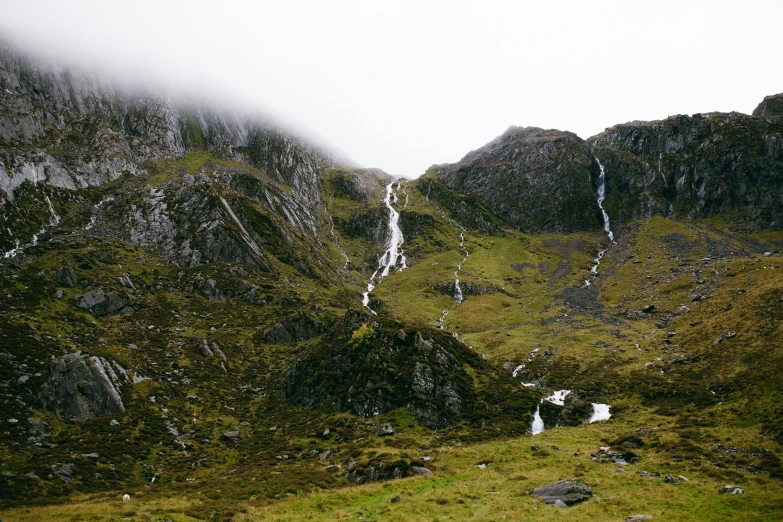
<point>226,321</point>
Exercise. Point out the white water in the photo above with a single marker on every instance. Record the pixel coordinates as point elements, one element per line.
<point>97,206</point>
<point>439,324</point>
<point>54,219</point>
<point>537,426</point>
<point>557,397</point>
<point>607,227</point>
<point>600,412</point>
<point>457,290</point>
<point>394,255</point>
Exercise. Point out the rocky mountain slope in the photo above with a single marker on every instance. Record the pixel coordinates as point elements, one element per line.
<point>228,322</point>
<point>683,167</point>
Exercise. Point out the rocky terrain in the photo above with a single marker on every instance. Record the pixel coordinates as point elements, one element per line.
<point>226,321</point>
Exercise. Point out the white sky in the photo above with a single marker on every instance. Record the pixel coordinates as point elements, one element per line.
<point>401,85</point>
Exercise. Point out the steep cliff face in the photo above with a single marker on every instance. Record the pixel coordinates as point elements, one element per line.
<point>537,180</point>
<point>72,130</point>
<point>690,167</point>
<point>193,182</point>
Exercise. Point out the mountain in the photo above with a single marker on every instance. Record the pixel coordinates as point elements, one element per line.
<point>227,321</point>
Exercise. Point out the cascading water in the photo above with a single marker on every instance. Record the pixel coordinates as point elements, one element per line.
<point>600,413</point>
<point>607,228</point>
<point>557,397</point>
<point>97,206</point>
<point>457,290</point>
<point>538,423</point>
<point>394,255</point>
<point>54,219</point>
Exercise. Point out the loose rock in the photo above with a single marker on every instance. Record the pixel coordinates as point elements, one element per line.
<point>566,491</point>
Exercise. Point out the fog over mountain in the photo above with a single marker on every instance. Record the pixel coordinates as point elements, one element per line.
<point>403,85</point>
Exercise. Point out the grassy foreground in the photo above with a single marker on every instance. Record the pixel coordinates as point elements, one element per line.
<point>461,490</point>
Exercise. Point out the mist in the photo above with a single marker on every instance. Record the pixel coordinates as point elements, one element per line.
<point>404,85</point>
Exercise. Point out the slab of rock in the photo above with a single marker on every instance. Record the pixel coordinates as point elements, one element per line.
<point>566,491</point>
<point>66,277</point>
<point>609,456</point>
<point>98,302</point>
<point>419,470</point>
<point>634,518</point>
<point>384,430</point>
<point>79,387</point>
<point>298,327</point>
<point>231,435</point>
<point>65,472</point>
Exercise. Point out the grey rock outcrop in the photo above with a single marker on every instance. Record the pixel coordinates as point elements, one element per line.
<point>295,328</point>
<point>537,180</point>
<point>425,371</point>
<point>79,387</point>
<point>98,302</point>
<point>66,277</point>
<point>690,167</point>
<point>567,491</point>
<point>384,430</point>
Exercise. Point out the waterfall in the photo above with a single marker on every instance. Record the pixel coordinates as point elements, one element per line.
<point>600,413</point>
<point>538,423</point>
<point>394,255</point>
<point>54,219</point>
<point>97,206</point>
<point>607,228</point>
<point>558,398</point>
<point>457,290</point>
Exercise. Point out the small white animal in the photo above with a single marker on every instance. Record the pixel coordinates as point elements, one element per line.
<point>126,498</point>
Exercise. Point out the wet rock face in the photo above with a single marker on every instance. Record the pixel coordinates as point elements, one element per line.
<point>535,179</point>
<point>689,167</point>
<point>565,491</point>
<point>79,387</point>
<point>98,302</point>
<point>387,371</point>
<point>295,328</point>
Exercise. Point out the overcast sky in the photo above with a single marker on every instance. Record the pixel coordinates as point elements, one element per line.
<point>402,85</point>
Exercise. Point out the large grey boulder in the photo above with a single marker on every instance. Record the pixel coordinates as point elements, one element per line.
<point>566,491</point>
<point>81,387</point>
<point>98,302</point>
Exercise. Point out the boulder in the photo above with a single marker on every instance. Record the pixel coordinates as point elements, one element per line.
<point>637,518</point>
<point>79,387</point>
<point>66,277</point>
<point>64,472</point>
<point>567,491</point>
<point>384,430</point>
<point>98,302</point>
<point>731,490</point>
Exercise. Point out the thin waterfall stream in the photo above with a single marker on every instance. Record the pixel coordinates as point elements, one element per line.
<point>607,227</point>
<point>394,255</point>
